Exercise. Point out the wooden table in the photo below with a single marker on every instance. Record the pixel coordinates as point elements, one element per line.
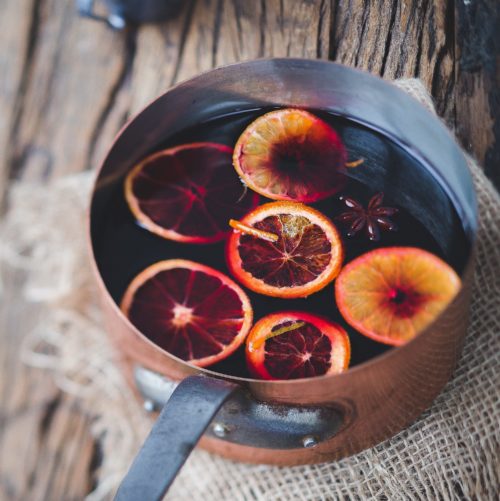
<point>67,84</point>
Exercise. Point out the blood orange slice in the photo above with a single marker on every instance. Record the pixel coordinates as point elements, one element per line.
<point>306,255</point>
<point>392,294</point>
<point>291,154</point>
<point>190,310</point>
<point>186,193</point>
<point>292,345</point>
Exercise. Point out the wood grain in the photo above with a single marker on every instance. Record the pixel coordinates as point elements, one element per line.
<point>46,450</point>
<point>17,45</point>
<point>477,90</point>
<point>67,84</point>
<point>211,33</point>
<point>72,76</point>
<point>411,39</point>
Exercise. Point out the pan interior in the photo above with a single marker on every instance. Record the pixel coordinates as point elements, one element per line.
<point>122,248</point>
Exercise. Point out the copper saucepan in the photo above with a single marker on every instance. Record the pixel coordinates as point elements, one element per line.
<point>308,420</point>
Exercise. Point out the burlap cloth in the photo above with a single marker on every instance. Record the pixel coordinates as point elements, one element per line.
<point>451,452</point>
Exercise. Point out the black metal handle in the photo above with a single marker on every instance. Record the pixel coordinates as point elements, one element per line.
<point>178,428</point>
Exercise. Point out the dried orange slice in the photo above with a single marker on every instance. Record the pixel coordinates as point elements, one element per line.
<point>186,193</point>
<point>291,345</point>
<point>306,256</point>
<point>290,154</point>
<point>190,310</point>
<point>392,294</point>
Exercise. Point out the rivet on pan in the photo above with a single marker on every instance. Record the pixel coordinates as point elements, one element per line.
<point>220,430</point>
<point>309,441</point>
<point>149,405</point>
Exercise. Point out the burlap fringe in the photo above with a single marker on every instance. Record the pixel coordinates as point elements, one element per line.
<point>451,452</point>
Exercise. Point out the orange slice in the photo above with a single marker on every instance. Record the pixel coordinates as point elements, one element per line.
<point>190,310</point>
<point>291,154</point>
<point>291,345</point>
<point>306,256</point>
<point>186,193</point>
<point>392,294</point>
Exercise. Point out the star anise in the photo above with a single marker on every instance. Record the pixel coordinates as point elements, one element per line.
<point>373,219</point>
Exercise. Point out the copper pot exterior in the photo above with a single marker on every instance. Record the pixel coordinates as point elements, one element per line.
<point>378,398</point>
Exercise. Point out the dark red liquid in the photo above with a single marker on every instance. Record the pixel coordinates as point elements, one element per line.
<point>426,219</point>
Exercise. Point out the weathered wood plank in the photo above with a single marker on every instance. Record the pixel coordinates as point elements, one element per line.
<point>399,39</point>
<point>478,81</point>
<point>75,71</point>
<point>158,52</point>
<point>16,44</point>
<point>237,30</point>
<point>273,28</point>
<point>44,437</point>
<point>211,33</point>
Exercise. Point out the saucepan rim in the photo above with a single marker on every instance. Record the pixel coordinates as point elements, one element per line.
<point>366,365</point>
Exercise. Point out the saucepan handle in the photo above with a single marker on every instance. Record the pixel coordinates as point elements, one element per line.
<point>178,428</point>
